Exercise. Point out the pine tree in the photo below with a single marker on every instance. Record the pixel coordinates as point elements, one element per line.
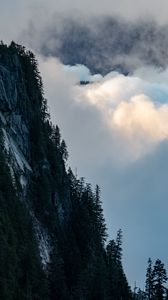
<point>159,279</point>
<point>100,220</point>
<point>149,287</point>
<point>56,136</point>
<point>119,288</point>
<point>119,246</point>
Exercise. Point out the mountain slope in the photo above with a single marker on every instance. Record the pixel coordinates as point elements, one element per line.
<point>52,226</point>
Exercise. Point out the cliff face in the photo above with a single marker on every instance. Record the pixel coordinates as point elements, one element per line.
<point>15,125</point>
<point>35,170</point>
<point>52,227</point>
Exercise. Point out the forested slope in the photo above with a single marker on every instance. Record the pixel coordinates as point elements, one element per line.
<point>52,228</point>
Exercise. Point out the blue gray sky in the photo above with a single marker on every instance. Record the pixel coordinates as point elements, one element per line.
<point>116,129</point>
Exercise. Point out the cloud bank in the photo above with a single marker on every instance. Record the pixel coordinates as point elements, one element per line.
<point>102,43</point>
<point>133,111</point>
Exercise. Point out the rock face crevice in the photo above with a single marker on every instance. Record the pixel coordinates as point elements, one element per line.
<point>12,97</point>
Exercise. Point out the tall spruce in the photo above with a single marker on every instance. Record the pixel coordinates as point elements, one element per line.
<point>100,220</point>
<point>159,279</point>
<point>118,285</point>
<point>149,286</point>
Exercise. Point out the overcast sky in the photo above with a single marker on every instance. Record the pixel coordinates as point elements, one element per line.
<point>116,130</point>
<point>15,14</point>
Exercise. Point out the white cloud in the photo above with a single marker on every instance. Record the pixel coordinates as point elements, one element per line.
<point>131,110</point>
<point>141,116</point>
